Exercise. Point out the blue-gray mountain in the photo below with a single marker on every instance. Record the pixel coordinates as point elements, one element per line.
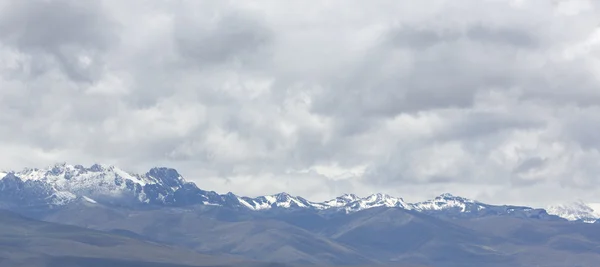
<point>32,243</point>
<point>162,207</point>
<point>62,184</point>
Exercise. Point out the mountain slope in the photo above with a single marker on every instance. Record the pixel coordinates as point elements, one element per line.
<point>214,230</point>
<point>403,236</point>
<point>544,243</point>
<point>28,242</point>
<point>377,236</point>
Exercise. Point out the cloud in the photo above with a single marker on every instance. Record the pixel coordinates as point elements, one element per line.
<point>70,34</point>
<point>494,100</point>
<point>225,37</point>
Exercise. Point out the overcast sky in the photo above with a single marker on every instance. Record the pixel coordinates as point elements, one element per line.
<point>497,100</point>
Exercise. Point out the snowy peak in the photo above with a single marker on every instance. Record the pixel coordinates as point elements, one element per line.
<point>346,202</point>
<point>167,177</point>
<point>352,203</point>
<point>280,200</point>
<point>63,183</point>
<point>349,197</point>
<point>450,206</point>
<point>100,175</point>
<point>576,211</point>
<point>447,197</point>
<point>340,201</point>
<point>447,201</point>
<point>71,178</point>
<point>382,200</point>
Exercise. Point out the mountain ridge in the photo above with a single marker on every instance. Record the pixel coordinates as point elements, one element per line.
<point>63,183</point>
<point>161,206</point>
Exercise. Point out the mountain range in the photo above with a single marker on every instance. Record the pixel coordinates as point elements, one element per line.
<point>62,184</point>
<point>161,206</point>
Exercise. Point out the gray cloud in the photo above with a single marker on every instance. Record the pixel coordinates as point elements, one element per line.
<point>421,38</point>
<point>507,36</point>
<point>494,100</point>
<point>231,36</point>
<point>72,33</point>
<point>475,124</point>
<point>526,166</point>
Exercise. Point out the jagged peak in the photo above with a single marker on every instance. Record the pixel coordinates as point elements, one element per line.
<point>96,167</point>
<point>448,196</point>
<point>345,198</point>
<point>167,176</point>
<point>381,197</point>
<point>99,175</point>
<point>349,196</point>
<point>164,171</point>
<point>282,194</point>
<point>78,180</point>
<point>61,167</point>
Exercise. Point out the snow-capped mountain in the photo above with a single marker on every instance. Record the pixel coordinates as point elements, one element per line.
<point>576,211</point>
<point>341,201</point>
<point>62,184</point>
<point>450,206</point>
<point>373,201</point>
<point>281,200</point>
<point>448,201</point>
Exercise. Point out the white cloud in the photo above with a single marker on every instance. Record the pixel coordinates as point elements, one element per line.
<point>494,100</point>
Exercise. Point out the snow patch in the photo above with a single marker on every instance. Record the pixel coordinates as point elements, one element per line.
<point>128,176</point>
<point>90,200</point>
<point>271,199</point>
<point>245,203</point>
<point>210,204</point>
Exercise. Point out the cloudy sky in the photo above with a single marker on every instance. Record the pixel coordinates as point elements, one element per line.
<point>497,100</point>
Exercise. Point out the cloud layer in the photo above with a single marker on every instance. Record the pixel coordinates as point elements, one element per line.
<point>497,100</point>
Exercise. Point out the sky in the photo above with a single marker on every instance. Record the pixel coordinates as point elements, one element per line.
<point>497,100</point>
